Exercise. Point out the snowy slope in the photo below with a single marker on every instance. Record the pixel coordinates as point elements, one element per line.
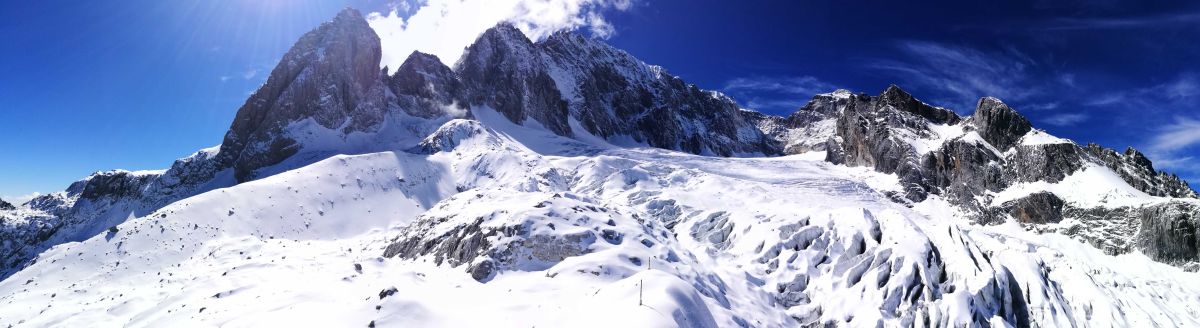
<point>717,242</point>
<point>519,188</point>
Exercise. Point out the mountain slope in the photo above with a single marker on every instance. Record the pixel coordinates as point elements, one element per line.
<point>517,186</point>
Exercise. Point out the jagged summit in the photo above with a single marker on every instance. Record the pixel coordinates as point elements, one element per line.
<point>902,100</point>
<point>998,124</point>
<point>331,75</point>
<point>522,170</point>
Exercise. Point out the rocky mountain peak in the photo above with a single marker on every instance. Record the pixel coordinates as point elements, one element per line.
<point>424,85</point>
<point>901,100</point>
<point>5,206</point>
<point>331,75</point>
<point>503,70</point>
<point>1139,159</point>
<point>999,124</point>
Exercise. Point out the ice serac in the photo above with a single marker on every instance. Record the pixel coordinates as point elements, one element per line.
<point>611,94</point>
<point>1000,125</point>
<point>331,76</point>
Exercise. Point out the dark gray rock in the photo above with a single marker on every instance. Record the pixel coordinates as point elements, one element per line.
<point>964,167</point>
<point>609,92</point>
<point>1045,162</point>
<point>423,86</point>
<point>1037,208</point>
<point>331,75</point>
<point>505,71</point>
<point>872,130</point>
<point>998,124</point>
<point>1137,170</point>
<point>471,244</point>
<point>5,206</point>
<point>810,127</point>
<point>901,100</point>
<point>1168,232</point>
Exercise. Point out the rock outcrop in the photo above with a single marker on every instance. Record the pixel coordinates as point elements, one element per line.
<point>608,92</point>
<point>330,76</point>
<point>999,125</point>
<point>967,161</point>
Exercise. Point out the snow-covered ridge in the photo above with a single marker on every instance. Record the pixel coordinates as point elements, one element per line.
<point>698,241</point>
<point>557,183</point>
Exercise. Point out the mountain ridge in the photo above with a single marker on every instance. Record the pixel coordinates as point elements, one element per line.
<point>578,125</point>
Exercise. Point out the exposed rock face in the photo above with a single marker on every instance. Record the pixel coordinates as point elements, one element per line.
<point>504,70</point>
<point>1168,232</point>
<point>932,151</point>
<point>810,127</point>
<point>1045,162</point>
<point>330,76</point>
<point>611,94</point>
<point>488,239</point>
<point>6,206</point>
<point>1039,208</point>
<point>1137,170</point>
<point>115,184</point>
<point>999,125</point>
<point>875,132</point>
<point>898,99</point>
<point>424,86</point>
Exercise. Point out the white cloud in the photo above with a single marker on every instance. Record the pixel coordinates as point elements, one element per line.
<point>18,200</point>
<point>776,93</point>
<point>962,74</point>
<point>1182,90</point>
<point>1065,119</point>
<point>250,73</point>
<point>804,85</point>
<point>1182,133</point>
<point>445,27</point>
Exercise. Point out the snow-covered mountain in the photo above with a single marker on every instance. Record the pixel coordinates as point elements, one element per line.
<point>563,182</point>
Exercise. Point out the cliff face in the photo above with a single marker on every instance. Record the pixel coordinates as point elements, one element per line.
<point>331,76</point>
<point>609,93</point>
<point>990,164</point>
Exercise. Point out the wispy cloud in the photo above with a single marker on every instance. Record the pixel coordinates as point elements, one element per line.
<point>960,75</point>
<point>804,85</point>
<point>775,94</point>
<point>1093,23</point>
<point>250,73</point>
<point>1065,119</point>
<point>1184,88</point>
<point>1182,133</point>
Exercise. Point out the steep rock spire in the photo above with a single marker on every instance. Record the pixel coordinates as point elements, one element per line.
<point>330,75</point>
<point>998,124</point>
<point>424,86</point>
<point>503,70</point>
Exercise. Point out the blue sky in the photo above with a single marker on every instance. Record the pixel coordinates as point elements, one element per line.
<point>98,85</point>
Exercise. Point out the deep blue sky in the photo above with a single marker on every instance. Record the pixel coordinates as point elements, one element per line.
<point>98,85</point>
